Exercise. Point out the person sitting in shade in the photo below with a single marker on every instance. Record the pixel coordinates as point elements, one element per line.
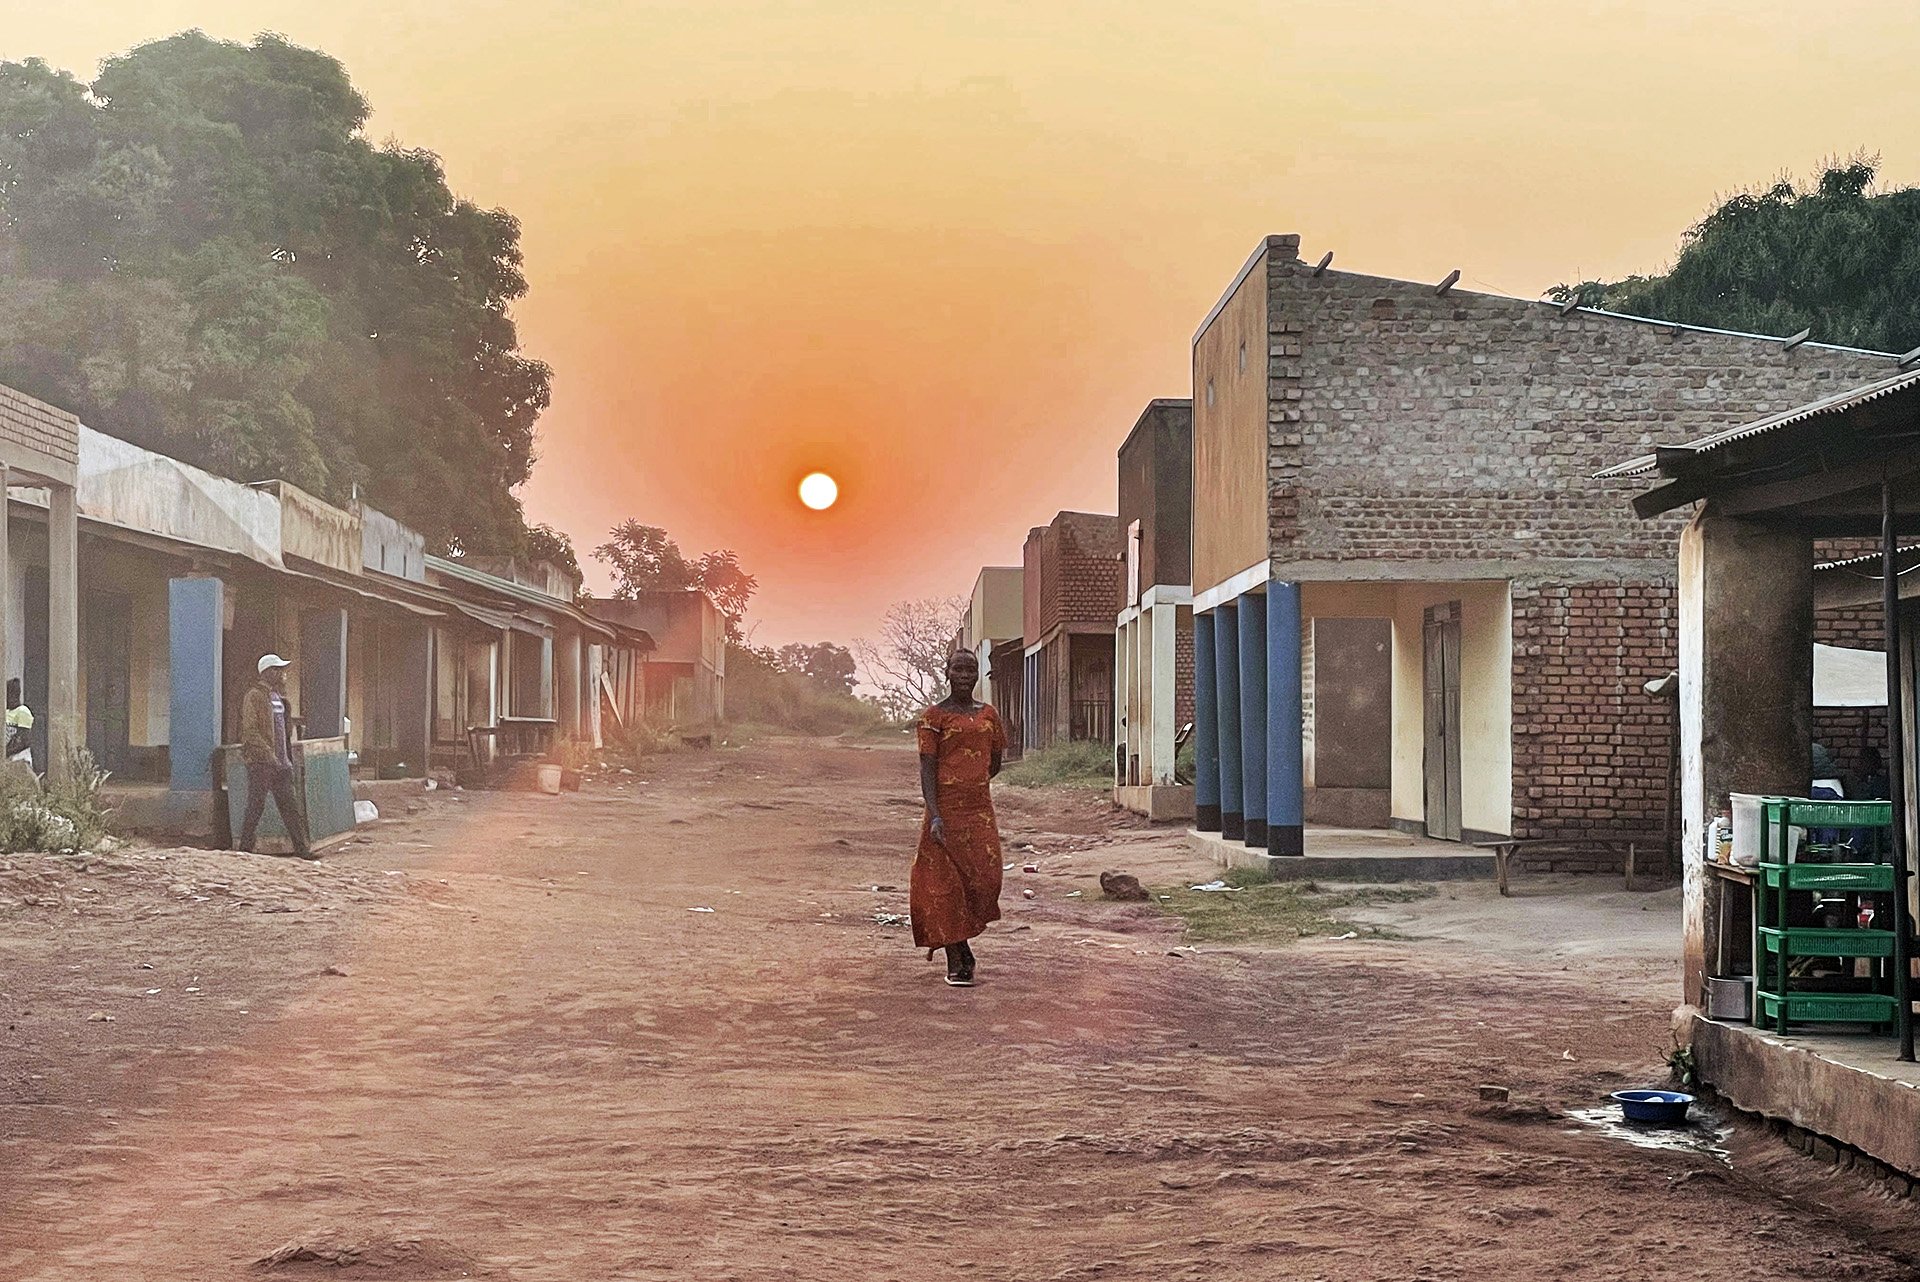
<point>19,726</point>
<point>266,744</point>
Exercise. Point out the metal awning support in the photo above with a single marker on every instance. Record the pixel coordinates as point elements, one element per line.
<point>1897,705</point>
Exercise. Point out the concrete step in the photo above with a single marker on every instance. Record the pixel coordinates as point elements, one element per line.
<point>1395,859</point>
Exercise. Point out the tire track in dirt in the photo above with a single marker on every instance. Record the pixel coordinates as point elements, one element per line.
<point>549,1067</point>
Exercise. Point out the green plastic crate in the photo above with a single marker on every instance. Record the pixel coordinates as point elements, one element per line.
<point>1798,812</point>
<point>1861,877</point>
<point>1816,941</point>
<point>1825,1008</point>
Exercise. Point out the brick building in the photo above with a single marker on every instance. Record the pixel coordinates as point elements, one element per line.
<point>1071,574</point>
<point>1389,481</point>
<point>1153,635</point>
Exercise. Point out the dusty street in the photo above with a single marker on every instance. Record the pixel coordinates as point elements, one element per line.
<point>499,1039</point>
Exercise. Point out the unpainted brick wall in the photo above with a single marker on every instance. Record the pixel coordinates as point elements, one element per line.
<point>1590,746</point>
<point>1073,572</point>
<point>39,427</point>
<point>1848,731</point>
<point>1413,426</point>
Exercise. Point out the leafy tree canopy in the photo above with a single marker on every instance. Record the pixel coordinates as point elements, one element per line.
<point>1836,257</point>
<point>827,665</point>
<point>644,558</point>
<point>201,252</point>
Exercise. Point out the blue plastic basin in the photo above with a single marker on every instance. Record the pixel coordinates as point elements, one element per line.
<point>1658,1108</point>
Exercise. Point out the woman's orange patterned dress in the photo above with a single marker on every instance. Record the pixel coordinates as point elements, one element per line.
<point>955,888</point>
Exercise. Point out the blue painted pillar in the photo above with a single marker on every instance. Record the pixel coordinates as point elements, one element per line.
<point>323,672</point>
<point>196,613</point>
<point>1286,774</point>
<point>1226,684</point>
<point>1253,717</point>
<point>1206,729</point>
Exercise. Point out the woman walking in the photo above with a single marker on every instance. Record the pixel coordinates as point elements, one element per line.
<point>955,886</point>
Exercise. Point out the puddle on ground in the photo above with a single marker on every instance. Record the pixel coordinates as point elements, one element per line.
<point>1702,1133</point>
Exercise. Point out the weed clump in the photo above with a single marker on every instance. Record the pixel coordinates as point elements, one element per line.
<point>1064,765</point>
<point>65,817</point>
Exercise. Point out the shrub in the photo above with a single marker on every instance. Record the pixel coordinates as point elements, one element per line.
<point>640,739</point>
<point>66,818</point>
<point>1064,765</point>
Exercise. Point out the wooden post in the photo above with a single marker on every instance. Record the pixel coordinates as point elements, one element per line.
<point>1897,771</point>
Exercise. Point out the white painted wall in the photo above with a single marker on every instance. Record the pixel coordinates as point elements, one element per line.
<point>122,484</point>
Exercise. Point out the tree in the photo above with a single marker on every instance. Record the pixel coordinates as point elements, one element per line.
<point>201,252</point>
<point>907,663</point>
<point>827,665</point>
<point>1836,258</point>
<point>545,543</point>
<point>644,558</point>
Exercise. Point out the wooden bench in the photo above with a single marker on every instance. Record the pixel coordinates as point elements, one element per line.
<point>1628,843</point>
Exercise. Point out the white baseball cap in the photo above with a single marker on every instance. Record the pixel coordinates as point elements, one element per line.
<point>272,661</point>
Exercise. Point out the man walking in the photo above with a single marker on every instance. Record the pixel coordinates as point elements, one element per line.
<point>266,743</point>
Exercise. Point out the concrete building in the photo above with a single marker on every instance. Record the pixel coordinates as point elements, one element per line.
<point>1390,504</point>
<point>40,447</point>
<point>1071,572</point>
<point>552,656</point>
<point>686,682</point>
<point>183,579</point>
<point>1767,492</point>
<point>1153,634</point>
<point>991,631</point>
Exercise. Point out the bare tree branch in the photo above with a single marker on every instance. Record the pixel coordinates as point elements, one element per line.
<point>906,665</point>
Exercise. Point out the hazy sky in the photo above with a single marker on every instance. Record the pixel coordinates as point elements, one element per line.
<point>947,250</point>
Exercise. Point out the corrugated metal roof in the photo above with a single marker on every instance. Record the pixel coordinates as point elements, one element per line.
<point>517,592</point>
<point>1866,558</point>
<point>1837,403</point>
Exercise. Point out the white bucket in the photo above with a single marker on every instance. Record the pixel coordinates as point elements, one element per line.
<point>550,780</point>
<point>1746,832</point>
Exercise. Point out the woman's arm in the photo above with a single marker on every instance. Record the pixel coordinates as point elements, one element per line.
<point>929,793</point>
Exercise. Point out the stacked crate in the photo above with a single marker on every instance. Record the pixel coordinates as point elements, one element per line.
<point>1784,881</point>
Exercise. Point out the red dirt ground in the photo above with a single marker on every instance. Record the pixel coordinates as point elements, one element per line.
<point>493,1040</point>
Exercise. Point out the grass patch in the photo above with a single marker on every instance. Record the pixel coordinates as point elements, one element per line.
<point>1261,911</point>
<point>1064,765</point>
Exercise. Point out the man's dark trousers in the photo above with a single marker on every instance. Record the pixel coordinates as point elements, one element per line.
<point>265,777</point>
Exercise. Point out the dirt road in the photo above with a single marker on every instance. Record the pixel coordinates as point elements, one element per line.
<point>499,1039</point>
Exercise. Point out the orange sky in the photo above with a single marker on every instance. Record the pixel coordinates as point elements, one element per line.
<point>946,249</point>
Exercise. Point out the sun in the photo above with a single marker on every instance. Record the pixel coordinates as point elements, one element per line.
<point>819,491</point>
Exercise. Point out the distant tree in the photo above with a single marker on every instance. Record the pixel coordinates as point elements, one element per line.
<point>544,543</point>
<point>644,558</point>
<point>719,576</point>
<point>906,664</point>
<point>829,666</point>
<point>763,687</point>
<point>1837,258</point>
<point>202,252</point>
